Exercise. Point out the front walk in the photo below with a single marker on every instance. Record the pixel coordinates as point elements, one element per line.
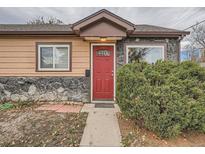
<point>102,127</point>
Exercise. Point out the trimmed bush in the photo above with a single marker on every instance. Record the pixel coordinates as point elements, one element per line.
<point>166,97</point>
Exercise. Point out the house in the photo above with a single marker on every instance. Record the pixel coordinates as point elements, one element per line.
<point>76,62</point>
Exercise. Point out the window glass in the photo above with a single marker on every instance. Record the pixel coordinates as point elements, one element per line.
<point>61,57</point>
<point>147,53</point>
<point>46,57</point>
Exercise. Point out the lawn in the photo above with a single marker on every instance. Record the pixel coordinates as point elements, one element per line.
<point>25,127</point>
<point>135,136</point>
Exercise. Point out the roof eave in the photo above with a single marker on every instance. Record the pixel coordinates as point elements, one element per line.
<point>37,33</point>
<point>160,34</point>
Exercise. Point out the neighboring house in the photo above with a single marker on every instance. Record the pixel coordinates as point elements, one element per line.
<point>197,55</point>
<point>193,54</point>
<point>188,54</point>
<point>184,55</point>
<point>76,62</point>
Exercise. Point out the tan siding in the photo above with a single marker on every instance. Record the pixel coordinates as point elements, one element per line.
<point>16,60</point>
<point>18,56</point>
<point>17,48</point>
<point>17,65</point>
<point>33,65</point>
<point>80,59</point>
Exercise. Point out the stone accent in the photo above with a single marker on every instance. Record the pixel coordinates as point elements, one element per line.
<point>172,47</point>
<point>34,89</point>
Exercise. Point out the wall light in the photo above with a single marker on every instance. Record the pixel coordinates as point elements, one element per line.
<point>103,39</point>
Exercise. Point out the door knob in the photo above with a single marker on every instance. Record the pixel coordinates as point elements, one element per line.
<point>112,73</point>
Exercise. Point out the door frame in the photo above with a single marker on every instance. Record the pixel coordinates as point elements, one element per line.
<point>114,71</point>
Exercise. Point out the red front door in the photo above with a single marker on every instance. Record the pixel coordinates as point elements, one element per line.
<point>103,73</point>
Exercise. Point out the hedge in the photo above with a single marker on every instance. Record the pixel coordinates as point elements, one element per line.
<point>166,97</point>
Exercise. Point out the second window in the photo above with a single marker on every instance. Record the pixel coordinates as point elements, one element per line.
<point>147,53</point>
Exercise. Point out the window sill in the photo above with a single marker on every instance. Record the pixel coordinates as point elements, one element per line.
<point>53,70</point>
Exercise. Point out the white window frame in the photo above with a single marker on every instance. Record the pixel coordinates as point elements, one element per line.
<point>54,50</point>
<point>145,46</point>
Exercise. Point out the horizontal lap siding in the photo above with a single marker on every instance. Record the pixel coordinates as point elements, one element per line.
<point>18,56</point>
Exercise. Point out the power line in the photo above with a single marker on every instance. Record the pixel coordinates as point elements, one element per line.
<point>195,24</point>
<point>185,17</point>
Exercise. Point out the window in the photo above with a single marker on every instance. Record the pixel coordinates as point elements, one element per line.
<point>103,53</point>
<point>53,57</point>
<point>148,53</point>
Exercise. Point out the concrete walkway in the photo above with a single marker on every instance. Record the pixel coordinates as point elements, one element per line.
<point>102,127</point>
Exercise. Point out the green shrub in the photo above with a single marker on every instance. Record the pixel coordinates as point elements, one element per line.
<point>167,97</point>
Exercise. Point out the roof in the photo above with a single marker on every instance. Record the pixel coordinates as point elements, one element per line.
<point>69,29</point>
<point>105,12</point>
<point>35,29</point>
<point>151,29</point>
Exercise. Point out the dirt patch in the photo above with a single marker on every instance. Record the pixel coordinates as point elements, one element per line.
<point>28,127</point>
<point>133,135</point>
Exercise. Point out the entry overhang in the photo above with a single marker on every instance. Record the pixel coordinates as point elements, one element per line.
<point>103,24</point>
<point>102,39</point>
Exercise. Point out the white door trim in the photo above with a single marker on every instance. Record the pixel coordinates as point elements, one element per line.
<point>114,69</point>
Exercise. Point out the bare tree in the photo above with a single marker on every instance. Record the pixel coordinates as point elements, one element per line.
<point>196,40</point>
<point>42,21</point>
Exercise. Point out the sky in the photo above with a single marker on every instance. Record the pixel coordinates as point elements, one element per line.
<point>175,17</point>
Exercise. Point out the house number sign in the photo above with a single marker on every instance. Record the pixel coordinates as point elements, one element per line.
<point>103,53</point>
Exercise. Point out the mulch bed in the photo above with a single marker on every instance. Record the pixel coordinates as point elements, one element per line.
<point>135,136</point>
<point>26,126</point>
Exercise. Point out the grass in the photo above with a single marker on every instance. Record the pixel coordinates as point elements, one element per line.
<point>17,105</point>
<point>6,106</point>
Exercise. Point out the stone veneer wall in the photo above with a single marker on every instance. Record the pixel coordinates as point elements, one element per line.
<point>172,47</point>
<point>34,89</point>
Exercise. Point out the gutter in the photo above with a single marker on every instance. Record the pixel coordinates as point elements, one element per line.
<point>37,33</point>
<point>158,34</point>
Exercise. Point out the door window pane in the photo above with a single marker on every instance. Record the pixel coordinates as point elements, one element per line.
<point>103,53</point>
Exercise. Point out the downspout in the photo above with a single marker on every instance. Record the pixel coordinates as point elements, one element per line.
<point>179,46</point>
